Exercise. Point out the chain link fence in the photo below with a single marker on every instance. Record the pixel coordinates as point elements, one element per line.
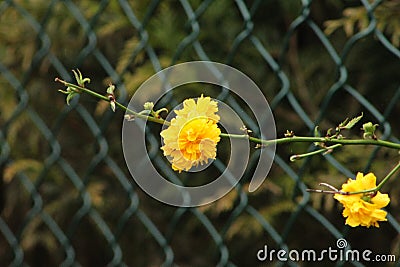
<point>67,198</point>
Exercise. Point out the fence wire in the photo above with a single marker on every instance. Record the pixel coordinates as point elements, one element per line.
<point>66,196</point>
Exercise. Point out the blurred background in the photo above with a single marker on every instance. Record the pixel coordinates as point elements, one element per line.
<point>66,196</point>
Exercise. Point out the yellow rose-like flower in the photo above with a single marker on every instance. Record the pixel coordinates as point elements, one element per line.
<point>363,209</point>
<point>192,136</point>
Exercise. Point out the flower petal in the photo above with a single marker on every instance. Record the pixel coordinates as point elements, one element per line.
<point>360,209</point>
<point>192,136</point>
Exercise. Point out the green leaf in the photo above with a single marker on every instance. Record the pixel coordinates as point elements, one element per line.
<point>111,89</point>
<point>350,124</point>
<point>70,96</point>
<point>369,130</point>
<point>64,92</point>
<point>343,123</point>
<point>354,121</point>
<point>85,80</point>
<point>316,132</point>
<point>157,113</point>
<point>78,75</point>
<point>79,78</point>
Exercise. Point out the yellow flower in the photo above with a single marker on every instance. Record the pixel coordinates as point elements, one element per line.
<point>192,136</point>
<point>363,209</point>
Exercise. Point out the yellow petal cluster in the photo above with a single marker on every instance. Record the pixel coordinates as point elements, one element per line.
<point>192,136</point>
<point>363,209</point>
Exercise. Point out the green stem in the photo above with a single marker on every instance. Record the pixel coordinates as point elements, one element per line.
<point>371,190</point>
<point>80,89</point>
<point>306,139</point>
<point>316,152</point>
<point>390,174</point>
<point>326,140</point>
<point>378,187</point>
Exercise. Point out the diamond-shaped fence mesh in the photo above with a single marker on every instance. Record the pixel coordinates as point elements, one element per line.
<point>67,197</point>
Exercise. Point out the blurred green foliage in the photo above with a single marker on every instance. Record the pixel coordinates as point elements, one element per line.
<point>372,70</point>
<point>356,19</point>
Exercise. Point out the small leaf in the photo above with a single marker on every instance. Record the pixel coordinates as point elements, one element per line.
<point>354,121</point>
<point>157,113</point>
<point>329,132</point>
<point>110,89</point>
<point>70,96</point>
<point>369,130</point>
<point>85,80</point>
<point>342,124</point>
<point>316,132</point>
<point>347,125</point>
<point>79,78</point>
<point>64,92</point>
